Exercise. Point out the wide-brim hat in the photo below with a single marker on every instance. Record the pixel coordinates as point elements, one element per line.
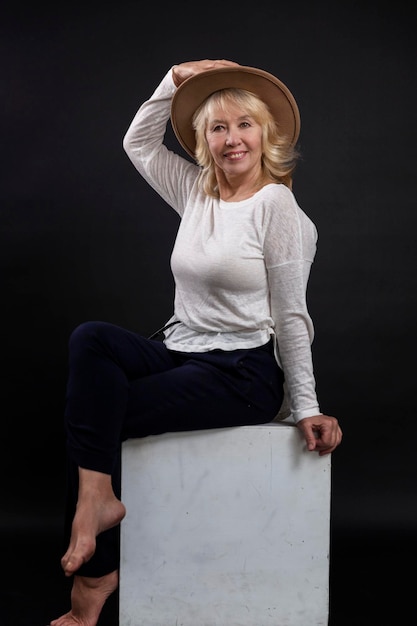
<point>194,90</point>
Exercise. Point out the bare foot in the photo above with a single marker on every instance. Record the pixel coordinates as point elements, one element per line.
<point>97,510</point>
<point>88,596</point>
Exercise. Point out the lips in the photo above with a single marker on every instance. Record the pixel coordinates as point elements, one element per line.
<point>234,156</point>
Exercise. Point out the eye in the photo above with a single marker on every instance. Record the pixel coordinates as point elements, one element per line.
<point>217,128</point>
<point>245,125</point>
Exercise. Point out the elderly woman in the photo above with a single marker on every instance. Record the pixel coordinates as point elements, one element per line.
<point>237,349</point>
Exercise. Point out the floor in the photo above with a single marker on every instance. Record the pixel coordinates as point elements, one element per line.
<point>372,580</point>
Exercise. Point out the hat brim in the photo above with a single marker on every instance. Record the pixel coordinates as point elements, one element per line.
<point>194,90</point>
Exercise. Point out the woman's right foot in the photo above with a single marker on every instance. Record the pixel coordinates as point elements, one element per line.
<point>88,597</point>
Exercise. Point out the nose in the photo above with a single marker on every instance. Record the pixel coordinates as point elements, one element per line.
<point>232,138</point>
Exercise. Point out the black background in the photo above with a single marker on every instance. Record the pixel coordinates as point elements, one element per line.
<point>83,237</point>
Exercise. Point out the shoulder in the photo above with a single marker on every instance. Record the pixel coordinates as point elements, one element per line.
<point>281,211</point>
<point>279,199</point>
<point>279,193</point>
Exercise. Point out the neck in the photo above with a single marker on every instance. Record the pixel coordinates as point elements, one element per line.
<point>236,189</point>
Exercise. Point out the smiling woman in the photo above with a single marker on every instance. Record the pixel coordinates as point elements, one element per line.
<point>239,146</point>
<point>240,326</point>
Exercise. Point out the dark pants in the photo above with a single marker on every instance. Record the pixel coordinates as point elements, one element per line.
<point>122,385</point>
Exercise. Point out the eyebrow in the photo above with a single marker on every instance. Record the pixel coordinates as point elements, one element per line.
<point>218,120</point>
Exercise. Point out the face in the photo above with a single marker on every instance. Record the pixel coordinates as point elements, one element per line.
<point>234,140</point>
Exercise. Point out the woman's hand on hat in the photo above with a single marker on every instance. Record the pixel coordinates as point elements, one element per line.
<point>181,72</point>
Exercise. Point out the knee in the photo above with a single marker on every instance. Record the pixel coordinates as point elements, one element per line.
<point>85,334</point>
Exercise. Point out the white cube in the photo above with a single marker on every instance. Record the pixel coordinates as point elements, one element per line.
<point>225,527</point>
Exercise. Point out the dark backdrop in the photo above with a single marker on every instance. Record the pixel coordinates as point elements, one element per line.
<point>83,237</point>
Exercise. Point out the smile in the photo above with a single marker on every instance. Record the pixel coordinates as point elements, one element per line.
<point>235,155</point>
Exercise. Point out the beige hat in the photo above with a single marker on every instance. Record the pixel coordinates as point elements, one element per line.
<point>194,90</point>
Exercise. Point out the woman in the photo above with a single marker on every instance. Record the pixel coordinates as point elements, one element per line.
<point>240,327</point>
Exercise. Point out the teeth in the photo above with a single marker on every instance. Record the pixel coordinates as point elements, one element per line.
<point>235,155</point>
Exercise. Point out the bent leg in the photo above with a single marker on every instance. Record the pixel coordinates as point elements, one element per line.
<point>122,385</point>
<point>103,360</point>
<point>178,392</point>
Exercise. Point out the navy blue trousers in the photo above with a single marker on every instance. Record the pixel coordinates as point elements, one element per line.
<point>122,385</point>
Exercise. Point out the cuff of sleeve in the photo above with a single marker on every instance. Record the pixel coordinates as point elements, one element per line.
<point>166,87</point>
<point>300,415</point>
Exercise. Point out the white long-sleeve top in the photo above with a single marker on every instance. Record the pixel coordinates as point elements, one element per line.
<point>240,268</point>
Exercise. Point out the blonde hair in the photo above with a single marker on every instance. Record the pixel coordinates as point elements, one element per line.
<point>279,156</point>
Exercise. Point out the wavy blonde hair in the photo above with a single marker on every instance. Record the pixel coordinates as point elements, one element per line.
<point>279,156</point>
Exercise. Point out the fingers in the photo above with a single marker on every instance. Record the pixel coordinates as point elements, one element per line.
<point>322,433</point>
<point>181,72</point>
<point>328,437</point>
